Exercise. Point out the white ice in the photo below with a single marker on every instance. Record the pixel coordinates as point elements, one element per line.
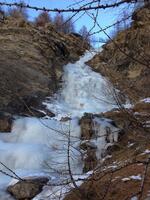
<point>38,147</point>
<point>83,90</point>
<point>146,100</point>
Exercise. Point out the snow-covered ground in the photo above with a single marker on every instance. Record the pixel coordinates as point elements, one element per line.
<point>39,146</point>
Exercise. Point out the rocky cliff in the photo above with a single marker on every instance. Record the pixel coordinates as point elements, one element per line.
<point>31,61</point>
<point>125,60</point>
<point>124,172</point>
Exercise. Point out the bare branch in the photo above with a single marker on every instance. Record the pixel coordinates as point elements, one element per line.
<point>88,8</point>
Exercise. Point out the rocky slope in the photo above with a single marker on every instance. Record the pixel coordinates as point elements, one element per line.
<point>126,59</point>
<point>31,61</point>
<point>124,173</point>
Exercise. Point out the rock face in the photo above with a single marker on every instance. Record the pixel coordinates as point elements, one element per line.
<point>31,61</point>
<point>6,120</point>
<point>27,189</point>
<point>97,134</point>
<point>86,124</point>
<point>126,59</point>
<point>87,133</point>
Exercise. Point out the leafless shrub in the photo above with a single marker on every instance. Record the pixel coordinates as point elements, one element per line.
<point>18,12</point>
<point>42,19</point>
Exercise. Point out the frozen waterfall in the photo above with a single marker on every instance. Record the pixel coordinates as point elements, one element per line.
<point>83,90</point>
<point>39,146</point>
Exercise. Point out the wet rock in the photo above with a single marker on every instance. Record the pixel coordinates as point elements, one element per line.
<point>49,113</point>
<point>87,145</point>
<point>41,112</point>
<point>121,134</point>
<point>30,105</point>
<point>65,119</point>
<point>89,148</point>
<point>25,103</point>
<point>97,134</point>
<point>28,188</point>
<point>6,121</point>
<point>32,100</point>
<point>86,124</point>
<point>90,160</point>
<point>112,148</point>
<point>34,112</point>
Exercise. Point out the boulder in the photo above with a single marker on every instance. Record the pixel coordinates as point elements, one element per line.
<point>65,119</point>
<point>86,144</point>
<point>113,148</point>
<point>28,188</point>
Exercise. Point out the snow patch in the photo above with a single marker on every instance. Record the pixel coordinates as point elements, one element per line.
<point>133,177</point>
<point>130,145</point>
<point>134,198</point>
<point>146,100</point>
<point>147,151</point>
